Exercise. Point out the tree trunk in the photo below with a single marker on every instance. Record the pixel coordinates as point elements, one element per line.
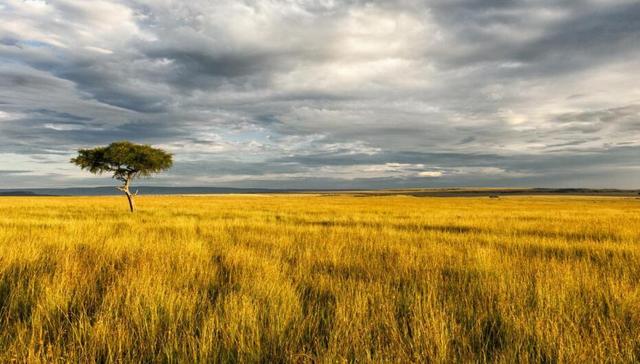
<point>130,198</point>
<point>125,189</point>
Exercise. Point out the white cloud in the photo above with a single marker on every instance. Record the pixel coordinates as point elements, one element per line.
<point>430,174</point>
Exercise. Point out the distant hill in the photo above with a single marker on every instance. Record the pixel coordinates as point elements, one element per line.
<point>417,192</point>
<point>145,190</point>
<point>497,192</point>
<point>20,193</point>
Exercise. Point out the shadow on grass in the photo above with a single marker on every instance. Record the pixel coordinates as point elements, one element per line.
<point>319,311</point>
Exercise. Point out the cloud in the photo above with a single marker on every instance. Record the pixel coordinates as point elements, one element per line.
<point>324,93</point>
<point>430,174</point>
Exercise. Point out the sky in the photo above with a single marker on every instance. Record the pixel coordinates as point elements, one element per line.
<point>324,93</point>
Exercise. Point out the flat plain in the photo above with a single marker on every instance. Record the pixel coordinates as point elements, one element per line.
<point>312,278</point>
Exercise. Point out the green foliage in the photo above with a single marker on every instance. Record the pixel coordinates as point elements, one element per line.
<point>124,159</point>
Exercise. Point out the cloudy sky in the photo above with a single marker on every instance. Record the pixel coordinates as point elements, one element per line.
<point>324,93</point>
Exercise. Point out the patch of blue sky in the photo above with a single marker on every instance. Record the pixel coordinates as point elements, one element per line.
<point>33,43</point>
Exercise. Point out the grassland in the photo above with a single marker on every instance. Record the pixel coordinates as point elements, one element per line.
<point>320,279</point>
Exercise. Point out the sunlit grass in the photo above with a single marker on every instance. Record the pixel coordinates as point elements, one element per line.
<point>314,278</point>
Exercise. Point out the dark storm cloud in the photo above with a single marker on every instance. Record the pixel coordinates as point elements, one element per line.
<point>312,94</point>
<point>224,167</point>
<point>46,134</point>
<point>61,116</point>
<point>602,33</point>
<point>629,113</point>
<point>15,79</point>
<point>543,38</point>
<point>198,69</point>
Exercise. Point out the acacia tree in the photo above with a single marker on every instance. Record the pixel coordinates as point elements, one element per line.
<point>126,161</point>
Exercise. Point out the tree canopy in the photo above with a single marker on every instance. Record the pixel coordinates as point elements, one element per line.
<point>124,159</point>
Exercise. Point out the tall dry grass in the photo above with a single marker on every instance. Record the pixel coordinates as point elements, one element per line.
<point>320,279</point>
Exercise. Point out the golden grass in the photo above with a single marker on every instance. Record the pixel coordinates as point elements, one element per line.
<point>320,279</point>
